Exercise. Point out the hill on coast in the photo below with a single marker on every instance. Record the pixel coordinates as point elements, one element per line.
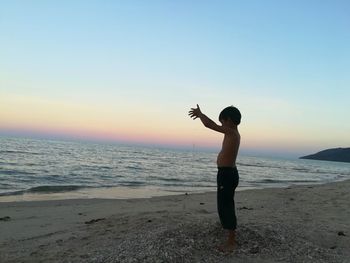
<point>335,154</point>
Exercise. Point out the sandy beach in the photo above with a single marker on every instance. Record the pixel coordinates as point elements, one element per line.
<point>294,224</point>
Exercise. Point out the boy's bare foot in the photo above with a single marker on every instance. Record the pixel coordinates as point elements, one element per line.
<point>228,247</point>
<point>230,244</point>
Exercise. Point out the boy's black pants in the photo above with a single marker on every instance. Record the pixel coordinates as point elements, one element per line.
<point>227,181</point>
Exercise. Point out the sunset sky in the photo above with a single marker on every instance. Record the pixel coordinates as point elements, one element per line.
<point>129,71</point>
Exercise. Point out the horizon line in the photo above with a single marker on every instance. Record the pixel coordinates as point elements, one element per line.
<point>254,152</point>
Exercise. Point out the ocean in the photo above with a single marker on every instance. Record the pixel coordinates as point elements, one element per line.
<point>38,169</point>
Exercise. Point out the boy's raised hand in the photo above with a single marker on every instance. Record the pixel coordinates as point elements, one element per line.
<point>195,112</point>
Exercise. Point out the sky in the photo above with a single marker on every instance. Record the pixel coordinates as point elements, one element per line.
<point>129,71</point>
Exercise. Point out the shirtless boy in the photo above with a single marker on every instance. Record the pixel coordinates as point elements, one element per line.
<point>227,177</point>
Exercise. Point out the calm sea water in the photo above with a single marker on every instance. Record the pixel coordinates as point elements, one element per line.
<point>47,168</point>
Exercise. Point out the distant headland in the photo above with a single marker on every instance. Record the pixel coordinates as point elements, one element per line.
<point>335,154</point>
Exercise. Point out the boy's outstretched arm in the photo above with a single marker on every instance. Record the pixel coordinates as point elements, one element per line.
<point>207,122</point>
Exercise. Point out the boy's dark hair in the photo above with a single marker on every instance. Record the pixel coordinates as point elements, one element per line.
<point>231,113</point>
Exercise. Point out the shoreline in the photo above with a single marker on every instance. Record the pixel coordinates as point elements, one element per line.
<point>112,193</point>
<point>293,224</point>
<point>125,192</point>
